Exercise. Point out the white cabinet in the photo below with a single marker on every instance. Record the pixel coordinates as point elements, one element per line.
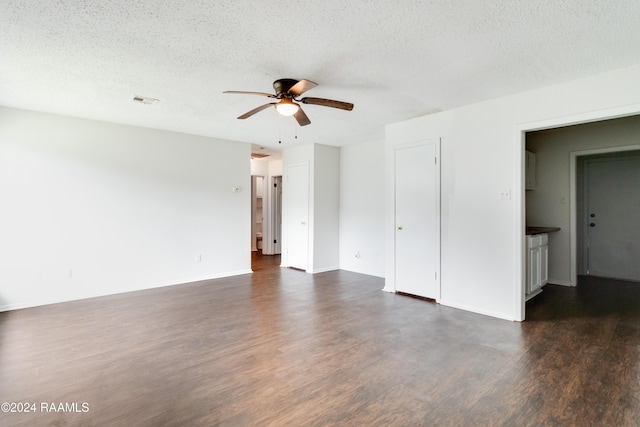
<point>544,264</point>
<point>530,171</point>
<point>537,263</point>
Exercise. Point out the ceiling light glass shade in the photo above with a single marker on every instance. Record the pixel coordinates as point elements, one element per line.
<point>287,107</point>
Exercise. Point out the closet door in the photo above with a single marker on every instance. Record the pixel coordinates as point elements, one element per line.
<point>417,220</point>
<point>297,204</point>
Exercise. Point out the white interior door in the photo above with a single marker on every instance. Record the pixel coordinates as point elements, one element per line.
<point>297,215</point>
<point>613,219</point>
<point>417,218</point>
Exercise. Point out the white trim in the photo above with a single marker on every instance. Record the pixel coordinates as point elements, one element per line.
<point>581,118</point>
<point>474,309</point>
<point>323,270</point>
<point>559,282</point>
<point>520,224</point>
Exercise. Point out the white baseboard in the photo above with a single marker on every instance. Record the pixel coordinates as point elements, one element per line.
<point>476,310</point>
<point>323,270</point>
<point>560,282</point>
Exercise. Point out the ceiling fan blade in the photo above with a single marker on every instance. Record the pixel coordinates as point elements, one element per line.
<point>301,87</point>
<point>256,110</point>
<point>328,103</point>
<point>242,92</point>
<point>302,118</point>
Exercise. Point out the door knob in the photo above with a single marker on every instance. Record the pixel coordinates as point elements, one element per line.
<point>593,224</point>
<point>399,228</point>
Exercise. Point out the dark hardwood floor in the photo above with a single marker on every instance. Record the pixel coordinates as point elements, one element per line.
<point>284,348</point>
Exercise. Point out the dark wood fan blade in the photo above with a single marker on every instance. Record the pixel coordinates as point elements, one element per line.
<point>256,110</point>
<point>328,103</point>
<point>302,118</point>
<point>242,92</point>
<point>301,87</point>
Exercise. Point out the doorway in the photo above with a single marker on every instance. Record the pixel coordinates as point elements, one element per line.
<point>608,189</point>
<point>555,198</point>
<point>257,212</point>
<point>276,216</point>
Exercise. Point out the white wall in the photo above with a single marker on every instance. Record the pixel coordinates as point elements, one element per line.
<point>92,208</point>
<point>362,208</point>
<point>548,204</point>
<point>259,167</point>
<point>324,204</point>
<point>275,167</point>
<point>326,208</point>
<point>482,156</point>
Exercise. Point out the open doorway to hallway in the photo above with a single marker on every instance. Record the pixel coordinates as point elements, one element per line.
<point>607,220</point>
<point>558,199</point>
<point>266,221</point>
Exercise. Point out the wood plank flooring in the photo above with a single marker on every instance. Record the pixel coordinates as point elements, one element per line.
<point>280,347</point>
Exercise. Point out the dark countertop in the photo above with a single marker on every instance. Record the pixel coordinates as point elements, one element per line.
<point>530,231</point>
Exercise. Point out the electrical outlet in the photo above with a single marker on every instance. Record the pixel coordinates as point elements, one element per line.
<point>505,194</point>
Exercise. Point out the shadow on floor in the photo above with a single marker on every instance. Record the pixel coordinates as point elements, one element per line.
<point>593,297</point>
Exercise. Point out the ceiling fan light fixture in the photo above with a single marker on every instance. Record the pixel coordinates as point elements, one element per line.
<point>287,107</point>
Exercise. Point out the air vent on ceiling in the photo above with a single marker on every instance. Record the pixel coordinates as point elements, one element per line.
<point>145,99</point>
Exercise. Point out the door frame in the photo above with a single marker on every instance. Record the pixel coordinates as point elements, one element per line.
<point>573,209</point>
<point>520,245</point>
<point>275,219</point>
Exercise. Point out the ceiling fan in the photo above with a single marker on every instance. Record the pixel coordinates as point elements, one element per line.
<point>287,93</point>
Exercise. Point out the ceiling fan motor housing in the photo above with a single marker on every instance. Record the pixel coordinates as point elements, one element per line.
<point>282,87</point>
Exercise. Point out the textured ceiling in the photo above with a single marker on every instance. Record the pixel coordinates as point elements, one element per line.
<point>393,60</point>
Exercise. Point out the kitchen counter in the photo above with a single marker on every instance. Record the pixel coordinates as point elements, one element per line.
<point>532,231</point>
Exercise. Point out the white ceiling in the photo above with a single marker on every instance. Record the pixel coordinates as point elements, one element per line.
<point>393,60</point>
